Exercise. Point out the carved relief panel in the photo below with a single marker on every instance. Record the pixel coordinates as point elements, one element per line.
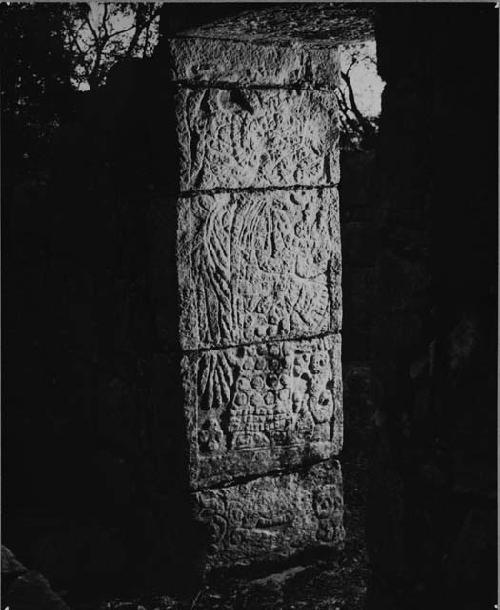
<point>262,407</point>
<point>272,517</point>
<point>259,290</point>
<point>301,64</point>
<point>258,266</point>
<point>241,138</point>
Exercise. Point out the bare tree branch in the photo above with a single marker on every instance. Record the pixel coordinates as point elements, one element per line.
<point>353,62</point>
<point>146,41</point>
<point>155,13</point>
<point>354,107</point>
<point>142,22</point>
<point>118,32</point>
<point>94,33</point>
<point>75,43</point>
<point>94,44</point>
<point>105,21</point>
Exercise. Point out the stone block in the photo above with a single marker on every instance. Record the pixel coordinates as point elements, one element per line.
<point>237,138</point>
<point>329,23</point>
<point>273,517</point>
<point>234,62</point>
<point>260,408</point>
<point>255,266</point>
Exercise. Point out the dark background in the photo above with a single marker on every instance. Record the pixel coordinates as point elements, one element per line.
<point>90,488</point>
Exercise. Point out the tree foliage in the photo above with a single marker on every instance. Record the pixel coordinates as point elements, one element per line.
<point>99,35</point>
<point>35,81</point>
<point>35,65</point>
<point>359,96</point>
<point>48,47</point>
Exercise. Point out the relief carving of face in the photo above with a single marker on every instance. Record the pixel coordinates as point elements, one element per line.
<point>211,437</point>
<point>319,362</point>
<point>323,503</point>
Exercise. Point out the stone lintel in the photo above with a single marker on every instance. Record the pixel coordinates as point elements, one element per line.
<point>273,517</point>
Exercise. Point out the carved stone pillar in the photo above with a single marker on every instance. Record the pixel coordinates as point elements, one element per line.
<point>259,281</point>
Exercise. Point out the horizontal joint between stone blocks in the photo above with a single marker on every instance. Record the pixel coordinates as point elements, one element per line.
<point>252,189</point>
<point>202,350</point>
<point>248,87</point>
<point>254,267</point>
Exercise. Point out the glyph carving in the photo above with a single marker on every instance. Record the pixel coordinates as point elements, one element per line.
<point>259,276</point>
<point>267,399</point>
<point>259,266</point>
<point>270,517</point>
<point>235,138</point>
<point>235,62</point>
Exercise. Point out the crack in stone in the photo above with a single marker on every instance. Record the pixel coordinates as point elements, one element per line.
<point>228,86</point>
<point>265,42</point>
<point>235,481</point>
<point>268,341</point>
<point>257,189</point>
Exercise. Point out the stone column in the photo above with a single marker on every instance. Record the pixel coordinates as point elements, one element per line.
<point>259,281</point>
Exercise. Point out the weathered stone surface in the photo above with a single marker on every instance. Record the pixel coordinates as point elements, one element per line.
<point>272,518</point>
<point>319,22</point>
<point>258,266</point>
<point>235,62</point>
<point>256,138</point>
<point>260,408</point>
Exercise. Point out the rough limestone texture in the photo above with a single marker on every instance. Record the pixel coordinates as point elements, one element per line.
<point>319,23</point>
<point>260,408</point>
<point>235,139</point>
<point>202,61</point>
<point>255,266</point>
<point>271,518</point>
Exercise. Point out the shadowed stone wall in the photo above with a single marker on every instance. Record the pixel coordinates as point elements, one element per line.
<point>432,514</point>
